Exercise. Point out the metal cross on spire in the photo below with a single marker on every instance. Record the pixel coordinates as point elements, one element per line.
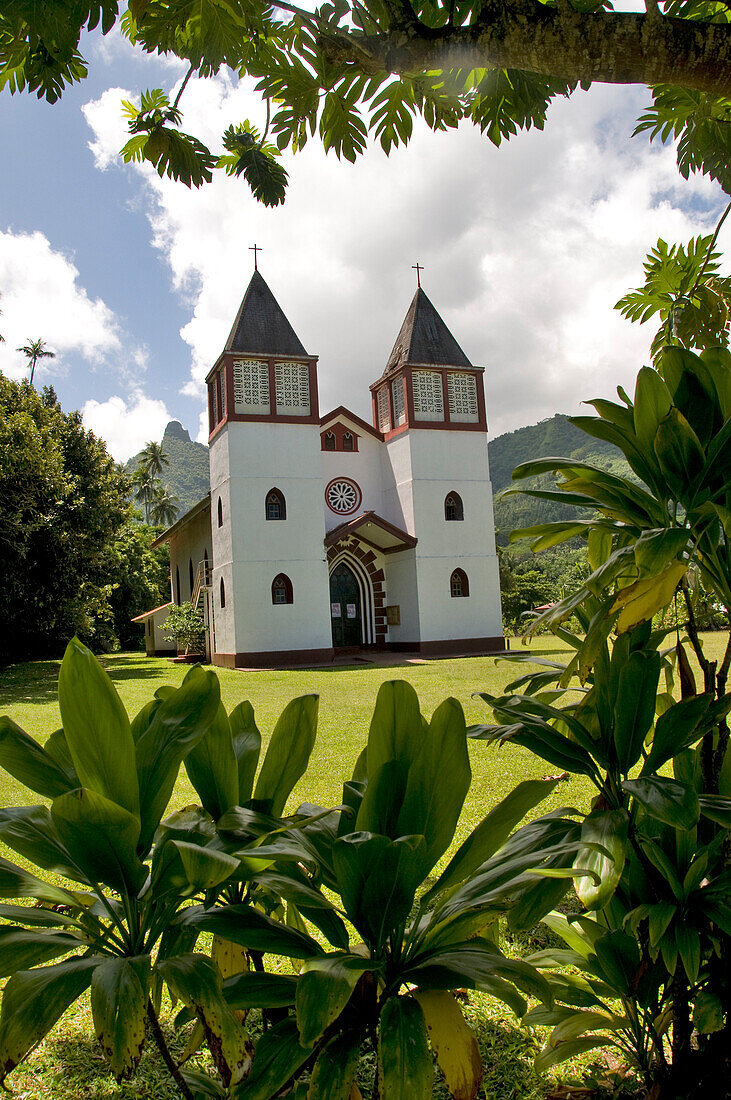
<point>418,269</point>
<point>255,248</point>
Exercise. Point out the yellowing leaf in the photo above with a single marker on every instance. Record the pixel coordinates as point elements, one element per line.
<point>453,1043</point>
<point>641,600</point>
<point>231,959</point>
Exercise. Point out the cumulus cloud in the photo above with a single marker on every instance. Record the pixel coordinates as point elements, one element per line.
<point>526,248</point>
<point>42,299</point>
<point>126,424</point>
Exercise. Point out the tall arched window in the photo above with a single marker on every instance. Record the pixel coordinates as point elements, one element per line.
<point>220,513</point>
<point>458,583</point>
<point>191,575</point>
<point>282,589</point>
<point>347,442</point>
<point>222,591</point>
<point>276,506</point>
<point>177,586</point>
<point>453,506</point>
<point>329,441</point>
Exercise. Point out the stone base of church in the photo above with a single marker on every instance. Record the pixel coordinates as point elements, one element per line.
<point>452,647</point>
<point>290,658</point>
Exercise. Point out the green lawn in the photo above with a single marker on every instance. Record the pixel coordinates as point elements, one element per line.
<point>68,1065</point>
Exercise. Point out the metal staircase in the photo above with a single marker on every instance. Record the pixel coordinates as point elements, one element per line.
<point>201,602</point>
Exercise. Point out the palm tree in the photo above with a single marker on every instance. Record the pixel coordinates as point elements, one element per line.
<point>163,506</point>
<point>144,488</point>
<point>154,458</point>
<point>35,350</point>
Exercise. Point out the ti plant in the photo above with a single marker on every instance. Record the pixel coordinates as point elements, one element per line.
<point>656,934</point>
<point>123,875</point>
<point>366,870</point>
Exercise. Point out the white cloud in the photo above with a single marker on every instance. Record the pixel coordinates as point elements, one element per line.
<point>526,247</point>
<point>126,425</point>
<point>42,299</point>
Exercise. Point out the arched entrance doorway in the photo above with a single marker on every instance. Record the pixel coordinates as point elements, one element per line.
<point>346,607</point>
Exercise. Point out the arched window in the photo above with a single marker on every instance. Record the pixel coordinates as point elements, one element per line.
<point>458,583</point>
<point>191,575</point>
<point>330,441</point>
<point>276,507</point>
<point>347,442</point>
<point>222,591</point>
<point>282,589</point>
<point>453,506</point>
<point>177,586</point>
<point>220,513</point>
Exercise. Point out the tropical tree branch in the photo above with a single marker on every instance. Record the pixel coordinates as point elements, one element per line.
<point>607,47</point>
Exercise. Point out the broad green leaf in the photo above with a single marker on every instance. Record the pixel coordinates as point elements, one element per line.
<point>288,753</point>
<point>187,868</point>
<point>679,453</point>
<point>334,1071</point>
<point>197,982</point>
<point>381,804</point>
<point>324,988</point>
<point>259,989</point>
<point>492,832</point>
<point>396,728</point>
<point>634,705</point>
<point>717,808</point>
<point>32,1003</point>
<point>212,767</point>
<point>253,929</point>
<point>707,1012</point>
<point>674,730</point>
<point>437,783</point>
<point>377,879</point>
<point>30,831</point>
<point>619,958</point>
<point>26,761</point>
<point>666,800</point>
<point>638,602</point>
<point>21,948</point>
<point>278,1056</point>
<point>718,363</point>
<point>404,1061</point>
<point>478,964</point>
<point>552,1056</point>
<point>176,727</point>
<point>689,948</point>
<point>15,882</point>
<point>453,1042</point>
<point>97,728</point>
<point>118,1007</point>
<point>607,828</point>
<point>654,549</point>
<point>247,747</point>
<point>651,405</point>
<point>101,838</point>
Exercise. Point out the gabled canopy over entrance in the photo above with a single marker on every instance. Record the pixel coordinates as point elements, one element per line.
<point>375,531</point>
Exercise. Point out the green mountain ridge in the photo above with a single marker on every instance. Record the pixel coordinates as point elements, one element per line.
<point>187,474</point>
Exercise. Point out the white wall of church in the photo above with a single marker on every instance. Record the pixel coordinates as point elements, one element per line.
<point>401,589</point>
<point>362,466</point>
<point>188,546</point>
<point>252,459</point>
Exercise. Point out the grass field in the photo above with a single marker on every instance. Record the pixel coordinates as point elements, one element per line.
<point>69,1065</point>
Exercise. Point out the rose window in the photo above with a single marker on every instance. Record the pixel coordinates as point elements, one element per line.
<point>343,496</point>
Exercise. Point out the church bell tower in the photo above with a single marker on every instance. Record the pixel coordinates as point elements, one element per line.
<point>270,580</point>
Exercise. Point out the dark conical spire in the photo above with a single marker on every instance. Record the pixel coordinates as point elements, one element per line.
<point>261,327</point>
<point>425,340</point>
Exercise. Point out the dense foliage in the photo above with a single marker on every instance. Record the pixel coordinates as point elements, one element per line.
<point>186,476</point>
<point>358,68</point>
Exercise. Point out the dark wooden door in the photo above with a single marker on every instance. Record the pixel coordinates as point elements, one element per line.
<point>345,607</point>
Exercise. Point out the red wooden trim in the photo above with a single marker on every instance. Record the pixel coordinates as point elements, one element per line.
<point>290,658</point>
<point>451,647</point>
<point>445,398</point>
<point>341,410</point>
<point>409,396</point>
<point>339,431</point>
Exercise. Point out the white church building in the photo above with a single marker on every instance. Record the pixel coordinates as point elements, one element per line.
<point>326,534</point>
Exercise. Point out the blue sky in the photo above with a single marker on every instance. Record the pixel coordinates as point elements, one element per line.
<point>134,281</point>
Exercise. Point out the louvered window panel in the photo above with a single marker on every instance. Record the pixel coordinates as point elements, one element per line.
<point>292,382</point>
<point>384,413</point>
<point>399,408</point>
<point>428,396</point>
<point>251,386</point>
<point>222,409</point>
<point>462,390</point>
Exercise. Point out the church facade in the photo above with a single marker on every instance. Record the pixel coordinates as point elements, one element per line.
<point>327,534</point>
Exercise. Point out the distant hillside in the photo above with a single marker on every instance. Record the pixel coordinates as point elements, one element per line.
<point>555,436</point>
<point>187,475</point>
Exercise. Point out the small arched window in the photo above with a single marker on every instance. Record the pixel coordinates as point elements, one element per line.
<point>220,513</point>
<point>276,507</point>
<point>330,441</point>
<point>222,592</point>
<point>177,586</point>
<point>453,507</point>
<point>458,584</point>
<point>282,589</point>
<point>191,575</point>
<point>347,442</point>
